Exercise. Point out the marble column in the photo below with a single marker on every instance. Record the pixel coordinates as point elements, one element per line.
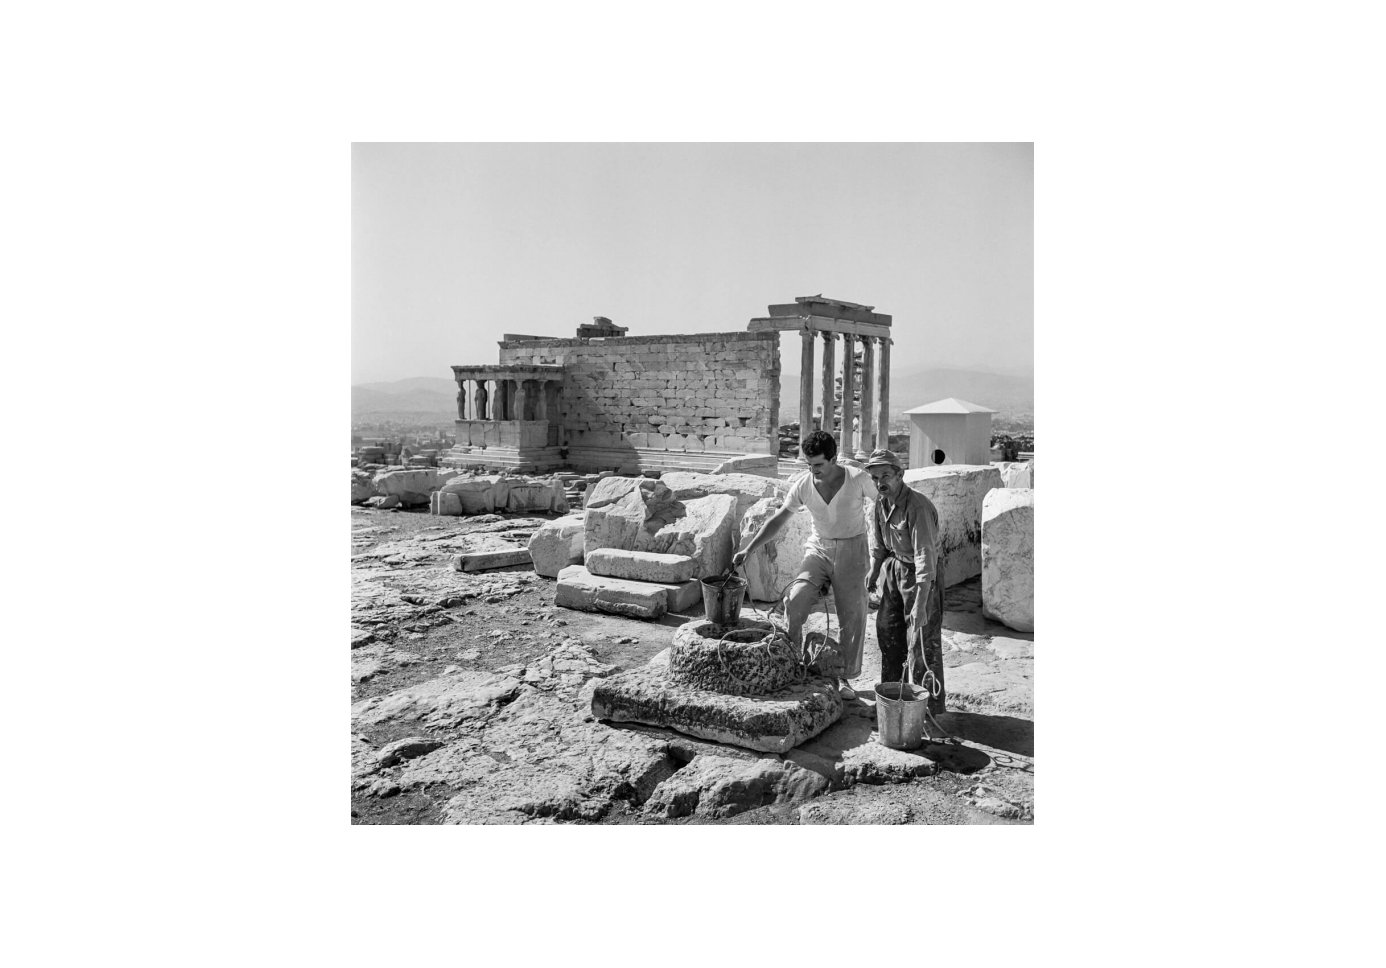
<point>461,399</point>
<point>541,402</point>
<point>883,423</point>
<point>521,398</point>
<point>806,386</point>
<point>868,395</point>
<point>829,372</point>
<point>849,401</point>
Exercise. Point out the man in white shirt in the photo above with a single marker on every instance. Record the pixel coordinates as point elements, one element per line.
<point>839,499</point>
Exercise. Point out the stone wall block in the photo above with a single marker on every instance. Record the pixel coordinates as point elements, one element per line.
<point>1008,557</point>
<point>957,492</point>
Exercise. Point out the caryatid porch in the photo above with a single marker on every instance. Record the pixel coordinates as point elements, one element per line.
<point>503,417</point>
<point>816,317</point>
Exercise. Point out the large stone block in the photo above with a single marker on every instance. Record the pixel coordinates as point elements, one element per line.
<point>772,566</point>
<point>746,488</point>
<point>619,510</point>
<point>957,492</point>
<point>540,495</point>
<point>410,486</point>
<point>557,544</point>
<point>361,487</point>
<point>873,763</point>
<point>1016,473</point>
<point>639,514</point>
<point>477,494</point>
<point>580,589</point>
<point>705,531</point>
<point>717,787</point>
<point>641,565</point>
<point>1008,557</point>
<point>772,724</point>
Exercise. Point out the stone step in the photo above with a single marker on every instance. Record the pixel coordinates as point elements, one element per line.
<point>530,460</point>
<point>647,459</point>
<point>641,565</point>
<point>579,589</point>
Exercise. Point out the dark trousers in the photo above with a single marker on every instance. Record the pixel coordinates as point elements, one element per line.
<point>893,631</point>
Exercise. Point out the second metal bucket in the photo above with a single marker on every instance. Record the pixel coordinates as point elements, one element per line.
<point>722,600</point>
<point>901,711</point>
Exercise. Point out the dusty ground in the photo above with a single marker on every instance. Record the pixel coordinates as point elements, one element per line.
<point>492,682</point>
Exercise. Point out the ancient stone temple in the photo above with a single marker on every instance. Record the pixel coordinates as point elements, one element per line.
<point>817,318</point>
<point>606,400</point>
<point>507,412</point>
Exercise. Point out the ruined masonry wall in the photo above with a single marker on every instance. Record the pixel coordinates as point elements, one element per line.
<point>709,391</point>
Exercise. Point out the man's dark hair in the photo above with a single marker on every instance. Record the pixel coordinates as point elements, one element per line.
<point>820,442</point>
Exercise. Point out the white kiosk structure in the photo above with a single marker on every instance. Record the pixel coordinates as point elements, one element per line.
<point>949,431</point>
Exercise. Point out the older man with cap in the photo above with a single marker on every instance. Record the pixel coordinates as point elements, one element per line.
<point>905,558</point>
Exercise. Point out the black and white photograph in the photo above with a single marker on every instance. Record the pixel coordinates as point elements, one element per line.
<point>692,483</point>
<point>691,361</point>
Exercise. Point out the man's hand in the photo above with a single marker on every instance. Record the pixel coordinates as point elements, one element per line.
<point>739,558</point>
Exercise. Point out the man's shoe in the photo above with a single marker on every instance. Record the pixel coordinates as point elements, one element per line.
<point>846,691</point>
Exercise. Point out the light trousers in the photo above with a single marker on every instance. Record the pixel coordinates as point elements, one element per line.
<point>842,564</point>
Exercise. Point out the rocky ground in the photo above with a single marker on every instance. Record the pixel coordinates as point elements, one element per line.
<point>471,704</point>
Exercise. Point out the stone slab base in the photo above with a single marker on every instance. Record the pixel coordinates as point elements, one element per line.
<point>525,460</point>
<point>773,724</point>
<point>579,588</point>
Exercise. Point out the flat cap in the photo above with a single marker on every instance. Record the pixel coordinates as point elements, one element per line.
<point>883,458</point>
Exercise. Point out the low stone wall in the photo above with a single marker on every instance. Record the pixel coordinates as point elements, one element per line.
<point>695,394</point>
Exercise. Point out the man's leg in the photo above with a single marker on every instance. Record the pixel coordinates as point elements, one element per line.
<point>813,574</point>
<point>849,591</point>
<point>891,626</point>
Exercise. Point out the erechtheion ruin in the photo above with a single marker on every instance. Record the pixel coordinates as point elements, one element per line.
<point>607,400</point>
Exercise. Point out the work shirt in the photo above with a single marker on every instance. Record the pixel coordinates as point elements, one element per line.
<point>907,532</point>
<point>842,517</point>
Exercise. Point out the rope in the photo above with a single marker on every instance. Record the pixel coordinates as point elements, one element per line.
<point>806,657</point>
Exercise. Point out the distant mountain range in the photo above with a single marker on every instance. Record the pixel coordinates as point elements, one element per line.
<point>430,398</point>
<point>919,384</point>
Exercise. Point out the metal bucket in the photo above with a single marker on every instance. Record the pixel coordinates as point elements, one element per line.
<point>901,711</point>
<point>722,599</point>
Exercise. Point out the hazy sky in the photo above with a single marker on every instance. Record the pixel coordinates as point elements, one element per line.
<point>454,244</point>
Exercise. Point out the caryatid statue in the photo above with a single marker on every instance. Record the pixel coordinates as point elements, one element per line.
<point>480,400</point>
<point>461,402</point>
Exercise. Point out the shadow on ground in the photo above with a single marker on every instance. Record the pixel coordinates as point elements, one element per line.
<point>1006,733</point>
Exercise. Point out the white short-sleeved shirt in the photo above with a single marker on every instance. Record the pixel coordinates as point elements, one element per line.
<point>845,516</point>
